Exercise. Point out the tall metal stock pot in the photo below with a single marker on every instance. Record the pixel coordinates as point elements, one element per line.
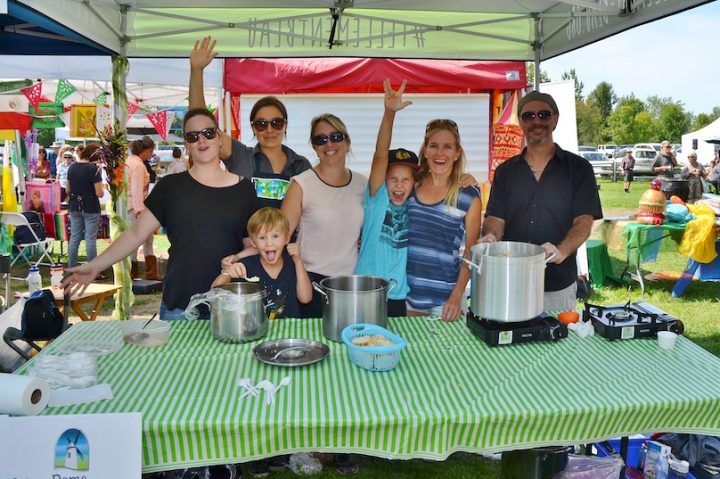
<point>351,300</point>
<point>240,315</point>
<point>508,280</point>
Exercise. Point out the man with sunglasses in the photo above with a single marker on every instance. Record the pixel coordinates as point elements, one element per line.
<point>270,164</point>
<point>665,162</point>
<point>545,196</point>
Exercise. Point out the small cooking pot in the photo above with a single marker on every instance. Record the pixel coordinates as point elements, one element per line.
<point>508,280</point>
<point>240,315</point>
<point>351,300</point>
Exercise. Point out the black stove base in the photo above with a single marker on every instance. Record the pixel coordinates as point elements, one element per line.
<point>493,333</point>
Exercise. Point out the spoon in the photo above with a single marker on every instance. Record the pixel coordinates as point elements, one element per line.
<point>302,352</point>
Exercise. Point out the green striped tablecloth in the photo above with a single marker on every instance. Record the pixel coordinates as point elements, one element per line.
<point>450,393</point>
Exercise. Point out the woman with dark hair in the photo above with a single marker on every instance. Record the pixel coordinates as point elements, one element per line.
<point>270,164</point>
<point>138,188</point>
<point>205,212</point>
<point>84,188</point>
<point>42,170</point>
<point>178,165</point>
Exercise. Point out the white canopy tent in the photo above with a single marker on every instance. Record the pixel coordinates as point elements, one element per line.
<point>531,30</point>
<point>697,140</point>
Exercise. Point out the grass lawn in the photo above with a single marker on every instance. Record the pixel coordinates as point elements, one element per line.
<point>697,308</point>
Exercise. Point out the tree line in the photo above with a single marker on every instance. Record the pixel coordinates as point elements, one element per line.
<point>603,117</point>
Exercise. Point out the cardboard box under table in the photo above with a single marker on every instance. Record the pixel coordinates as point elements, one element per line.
<point>450,392</point>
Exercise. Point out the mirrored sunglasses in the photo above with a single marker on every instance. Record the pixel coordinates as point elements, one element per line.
<point>194,136</point>
<point>441,123</point>
<point>335,137</point>
<point>543,115</point>
<point>261,125</point>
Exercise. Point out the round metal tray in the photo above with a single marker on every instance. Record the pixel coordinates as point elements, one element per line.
<point>291,352</point>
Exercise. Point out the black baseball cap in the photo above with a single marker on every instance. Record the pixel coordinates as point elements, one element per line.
<point>402,156</point>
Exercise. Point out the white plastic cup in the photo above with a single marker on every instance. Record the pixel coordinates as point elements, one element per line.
<point>666,339</point>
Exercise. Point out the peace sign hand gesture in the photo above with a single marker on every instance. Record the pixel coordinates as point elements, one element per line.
<point>393,98</point>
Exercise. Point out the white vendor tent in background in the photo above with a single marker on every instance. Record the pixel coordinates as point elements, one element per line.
<point>697,140</point>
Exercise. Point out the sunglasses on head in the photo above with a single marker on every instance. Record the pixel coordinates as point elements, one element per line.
<point>543,115</point>
<point>335,137</point>
<point>261,125</point>
<point>194,136</point>
<point>441,123</point>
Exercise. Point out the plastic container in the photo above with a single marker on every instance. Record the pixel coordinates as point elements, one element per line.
<point>678,469</point>
<point>633,450</point>
<point>56,275</point>
<point>34,280</point>
<point>142,333</point>
<point>373,358</point>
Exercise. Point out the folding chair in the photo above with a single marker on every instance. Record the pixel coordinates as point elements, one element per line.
<point>42,323</point>
<point>25,248</point>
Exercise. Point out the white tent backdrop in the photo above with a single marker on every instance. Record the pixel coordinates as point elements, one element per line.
<point>705,150</point>
<point>460,29</point>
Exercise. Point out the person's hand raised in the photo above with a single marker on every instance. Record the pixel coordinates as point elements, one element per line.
<point>393,98</point>
<point>293,250</point>
<point>202,53</point>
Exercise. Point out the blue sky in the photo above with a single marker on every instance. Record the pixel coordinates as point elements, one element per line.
<point>678,57</point>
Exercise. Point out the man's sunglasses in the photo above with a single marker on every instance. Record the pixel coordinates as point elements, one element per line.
<point>194,136</point>
<point>335,137</point>
<point>543,115</point>
<point>261,125</point>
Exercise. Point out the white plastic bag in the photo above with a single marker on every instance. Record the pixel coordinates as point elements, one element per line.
<point>591,467</point>
<point>9,359</point>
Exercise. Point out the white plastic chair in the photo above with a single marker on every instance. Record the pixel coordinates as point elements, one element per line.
<point>43,244</point>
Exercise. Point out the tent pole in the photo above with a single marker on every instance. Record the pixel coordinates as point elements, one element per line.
<point>18,155</point>
<point>124,298</point>
<point>537,49</point>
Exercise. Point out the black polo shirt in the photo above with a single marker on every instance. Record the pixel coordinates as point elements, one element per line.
<point>543,211</point>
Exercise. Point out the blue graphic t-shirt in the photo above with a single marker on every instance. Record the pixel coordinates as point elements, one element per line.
<point>384,241</point>
<point>281,291</point>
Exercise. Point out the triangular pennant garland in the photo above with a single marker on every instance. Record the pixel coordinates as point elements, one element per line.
<point>101,99</point>
<point>33,94</point>
<point>103,117</point>
<point>64,90</point>
<point>132,108</point>
<point>159,121</point>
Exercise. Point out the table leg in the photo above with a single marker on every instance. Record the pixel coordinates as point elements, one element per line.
<point>76,307</point>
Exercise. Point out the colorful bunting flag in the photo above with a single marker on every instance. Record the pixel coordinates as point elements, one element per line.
<point>132,108</point>
<point>64,90</point>
<point>159,121</point>
<point>33,94</point>
<point>103,117</point>
<point>101,99</point>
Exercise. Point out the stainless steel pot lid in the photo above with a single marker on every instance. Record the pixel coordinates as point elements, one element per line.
<point>291,352</point>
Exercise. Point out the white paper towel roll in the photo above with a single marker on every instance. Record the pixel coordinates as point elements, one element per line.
<point>22,395</point>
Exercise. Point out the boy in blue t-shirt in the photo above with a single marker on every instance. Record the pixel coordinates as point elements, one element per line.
<point>282,273</point>
<point>384,239</point>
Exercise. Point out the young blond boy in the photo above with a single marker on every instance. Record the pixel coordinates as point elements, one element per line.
<point>281,272</point>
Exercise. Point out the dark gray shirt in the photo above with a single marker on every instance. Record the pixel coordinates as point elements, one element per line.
<point>663,160</point>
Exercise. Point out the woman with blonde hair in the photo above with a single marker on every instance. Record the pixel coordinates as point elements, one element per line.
<point>441,213</point>
<point>325,203</point>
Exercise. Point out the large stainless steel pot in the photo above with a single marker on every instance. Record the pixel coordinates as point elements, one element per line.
<point>241,316</point>
<point>508,280</point>
<point>353,299</point>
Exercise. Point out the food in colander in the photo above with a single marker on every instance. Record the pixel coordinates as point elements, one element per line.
<point>374,340</point>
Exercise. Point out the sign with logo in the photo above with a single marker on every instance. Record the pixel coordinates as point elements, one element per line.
<point>88,446</point>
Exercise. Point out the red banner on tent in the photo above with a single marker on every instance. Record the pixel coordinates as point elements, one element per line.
<point>366,75</point>
<point>132,108</point>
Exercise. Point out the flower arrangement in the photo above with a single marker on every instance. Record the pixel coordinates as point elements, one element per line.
<point>114,151</point>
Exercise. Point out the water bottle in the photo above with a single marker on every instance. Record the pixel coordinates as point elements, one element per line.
<point>678,469</point>
<point>641,456</point>
<point>34,280</point>
<point>56,275</point>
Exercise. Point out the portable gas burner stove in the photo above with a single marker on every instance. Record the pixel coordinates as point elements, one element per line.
<point>630,320</point>
<point>495,333</point>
